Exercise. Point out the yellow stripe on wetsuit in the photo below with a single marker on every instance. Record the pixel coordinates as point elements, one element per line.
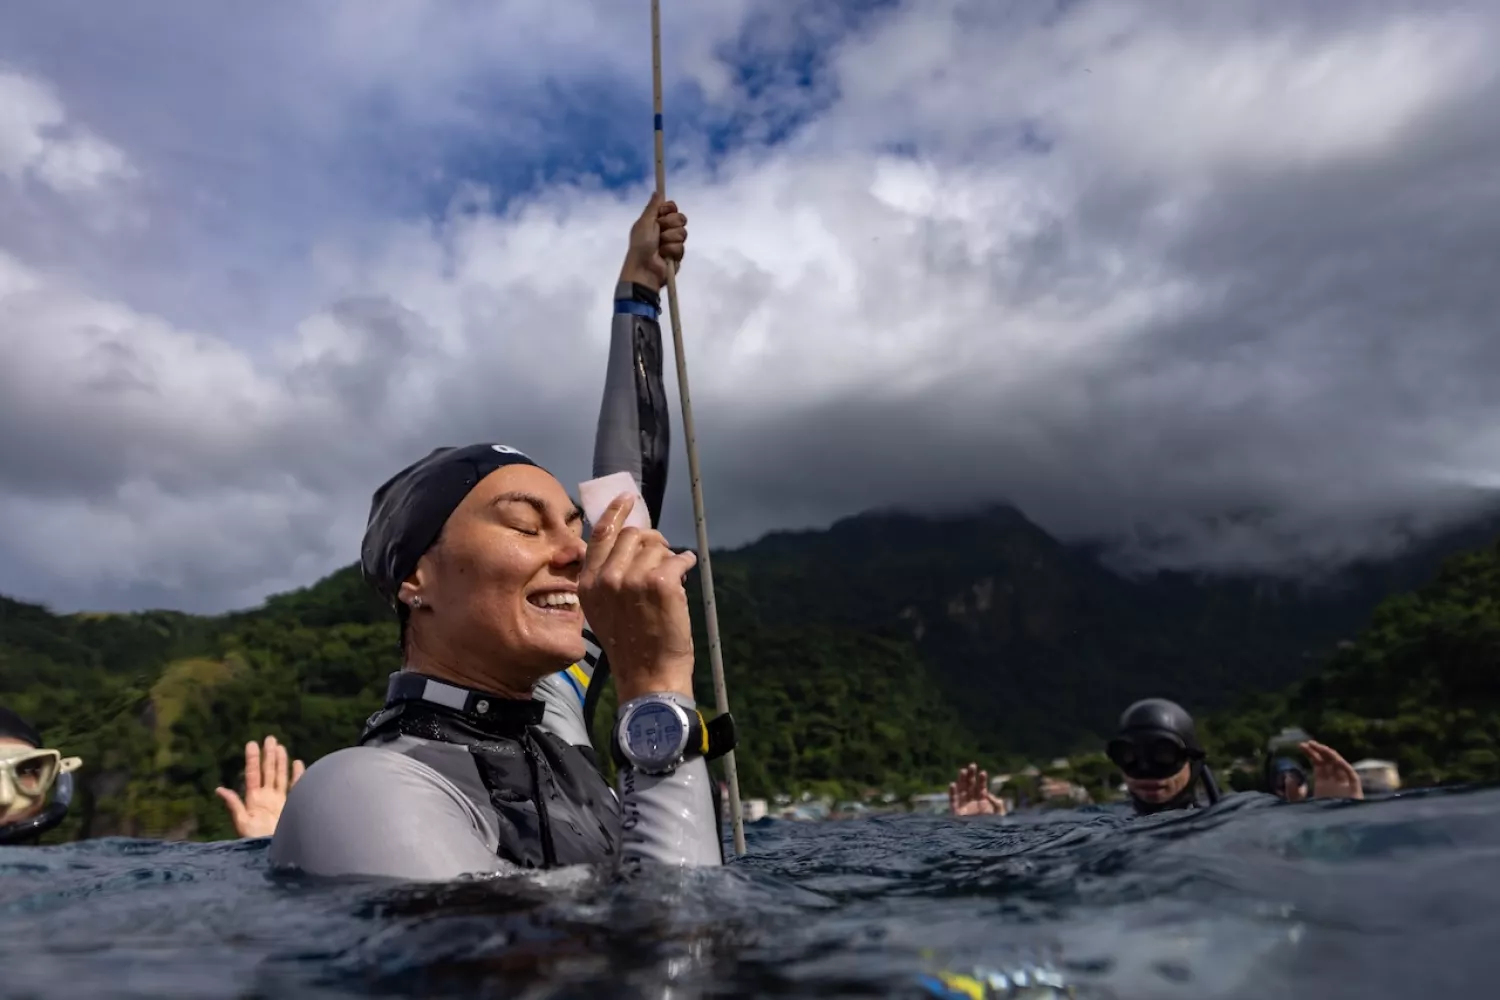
<point>580,678</point>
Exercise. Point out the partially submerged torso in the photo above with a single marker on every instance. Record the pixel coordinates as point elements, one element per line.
<point>439,791</point>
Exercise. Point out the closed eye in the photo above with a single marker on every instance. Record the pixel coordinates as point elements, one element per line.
<point>574,517</point>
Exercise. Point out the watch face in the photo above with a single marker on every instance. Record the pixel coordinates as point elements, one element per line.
<point>654,734</point>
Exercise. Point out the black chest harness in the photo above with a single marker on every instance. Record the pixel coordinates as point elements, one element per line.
<point>550,803</point>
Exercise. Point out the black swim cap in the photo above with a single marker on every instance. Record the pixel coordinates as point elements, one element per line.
<point>12,726</point>
<point>1158,715</point>
<point>408,512</point>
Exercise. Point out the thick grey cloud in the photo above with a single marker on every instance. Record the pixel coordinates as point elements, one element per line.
<point>1215,281</point>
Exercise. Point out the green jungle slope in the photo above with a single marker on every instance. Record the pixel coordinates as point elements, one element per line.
<point>1420,686</point>
<point>879,653</point>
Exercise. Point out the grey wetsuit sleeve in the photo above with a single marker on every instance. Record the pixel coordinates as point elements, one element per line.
<point>634,433</point>
<point>669,820</point>
<point>369,811</point>
<point>563,717</point>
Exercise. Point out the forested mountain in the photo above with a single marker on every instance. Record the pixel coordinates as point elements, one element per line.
<point>1036,644</point>
<point>880,652</point>
<point>1420,686</point>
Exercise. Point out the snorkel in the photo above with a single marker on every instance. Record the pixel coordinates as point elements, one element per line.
<point>1210,783</point>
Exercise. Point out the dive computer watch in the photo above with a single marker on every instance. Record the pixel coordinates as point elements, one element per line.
<point>656,734</point>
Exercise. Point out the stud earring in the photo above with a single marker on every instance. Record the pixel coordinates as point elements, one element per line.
<point>416,601</point>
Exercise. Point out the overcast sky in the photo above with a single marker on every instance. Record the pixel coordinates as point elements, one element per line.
<point>1134,266</point>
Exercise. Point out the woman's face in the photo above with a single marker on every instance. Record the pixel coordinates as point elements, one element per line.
<point>501,583</point>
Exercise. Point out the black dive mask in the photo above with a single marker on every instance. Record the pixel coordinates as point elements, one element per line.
<point>1150,756</point>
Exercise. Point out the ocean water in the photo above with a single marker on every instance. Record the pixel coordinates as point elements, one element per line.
<point>1397,898</point>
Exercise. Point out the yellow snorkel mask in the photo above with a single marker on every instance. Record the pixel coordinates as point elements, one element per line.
<point>27,775</point>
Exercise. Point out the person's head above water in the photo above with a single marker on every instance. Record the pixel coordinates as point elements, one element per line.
<point>1287,779</point>
<point>28,772</point>
<point>1158,752</point>
<point>479,550</point>
<point>17,737</point>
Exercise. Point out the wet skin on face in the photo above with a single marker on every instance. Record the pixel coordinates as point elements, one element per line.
<point>1157,791</point>
<point>501,583</point>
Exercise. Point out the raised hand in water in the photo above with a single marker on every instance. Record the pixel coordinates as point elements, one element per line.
<point>970,794</point>
<point>267,780</point>
<point>1333,776</point>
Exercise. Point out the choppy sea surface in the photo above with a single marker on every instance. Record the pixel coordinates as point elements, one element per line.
<point>1397,898</point>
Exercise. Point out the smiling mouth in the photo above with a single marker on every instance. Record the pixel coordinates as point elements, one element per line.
<point>557,601</point>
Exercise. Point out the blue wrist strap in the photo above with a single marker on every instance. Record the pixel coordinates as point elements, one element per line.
<point>635,308</point>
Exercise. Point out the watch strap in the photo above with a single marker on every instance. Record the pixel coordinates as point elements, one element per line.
<point>719,736</point>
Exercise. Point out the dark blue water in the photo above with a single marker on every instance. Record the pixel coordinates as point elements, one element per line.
<point>1395,899</point>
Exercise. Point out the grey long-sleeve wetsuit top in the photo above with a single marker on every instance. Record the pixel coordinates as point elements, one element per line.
<point>447,782</point>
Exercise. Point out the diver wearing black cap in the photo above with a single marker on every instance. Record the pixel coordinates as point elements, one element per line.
<point>1158,752</point>
<point>481,760</point>
<point>29,771</point>
<point>1286,778</point>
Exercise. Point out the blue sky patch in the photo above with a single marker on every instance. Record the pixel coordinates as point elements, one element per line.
<point>596,132</point>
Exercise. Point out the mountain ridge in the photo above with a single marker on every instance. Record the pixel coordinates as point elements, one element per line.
<point>1014,623</point>
<point>881,651</point>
